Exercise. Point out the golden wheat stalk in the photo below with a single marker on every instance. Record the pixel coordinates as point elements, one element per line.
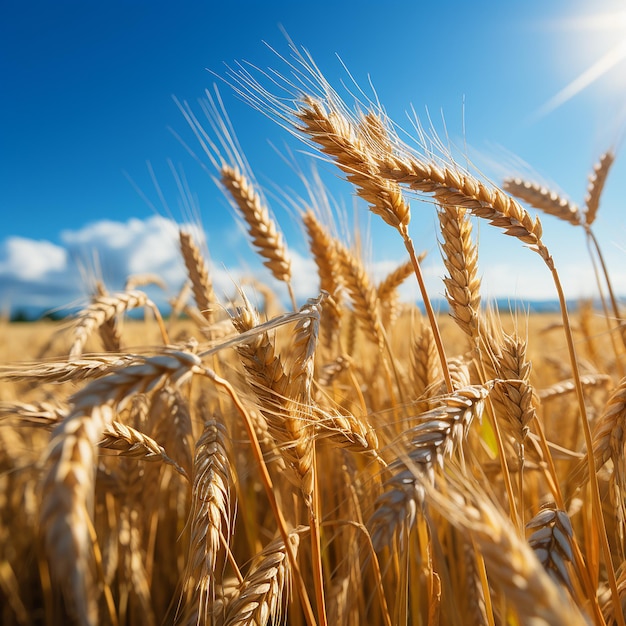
<point>324,250</point>
<point>130,442</point>
<point>344,430</point>
<point>363,295</point>
<point>424,370</point>
<point>453,187</point>
<point>513,395</point>
<point>551,536</point>
<point>387,290</point>
<point>74,370</point>
<point>273,387</point>
<point>142,280</point>
<point>609,444</point>
<point>338,138</point>
<point>564,387</point>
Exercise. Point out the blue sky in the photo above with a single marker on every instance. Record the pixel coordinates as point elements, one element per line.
<point>86,103</point>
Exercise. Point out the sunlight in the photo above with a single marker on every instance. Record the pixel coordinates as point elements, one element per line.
<point>589,76</point>
<point>603,37</point>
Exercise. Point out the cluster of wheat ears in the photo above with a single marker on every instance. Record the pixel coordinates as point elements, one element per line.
<point>353,460</point>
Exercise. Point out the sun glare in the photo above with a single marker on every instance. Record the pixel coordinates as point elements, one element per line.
<point>600,39</point>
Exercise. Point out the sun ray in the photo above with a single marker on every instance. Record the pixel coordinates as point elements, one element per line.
<point>601,30</point>
<point>589,76</point>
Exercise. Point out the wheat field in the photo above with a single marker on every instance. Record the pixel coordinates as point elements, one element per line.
<point>352,459</point>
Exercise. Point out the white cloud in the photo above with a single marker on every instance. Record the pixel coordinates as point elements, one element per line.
<point>29,260</point>
<point>45,275</point>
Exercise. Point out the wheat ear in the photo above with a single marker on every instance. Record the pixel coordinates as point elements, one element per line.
<point>567,386</point>
<point>424,370</point>
<point>460,256</point>
<point>544,199</point>
<point>199,276</point>
<point>106,308</point>
<point>210,516</point>
<point>608,444</point>
<point>67,371</point>
<point>141,280</point>
<point>363,295</point>
<point>272,385</point>
<point>130,442</point>
<point>262,229</point>
<point>512,396</point>
<point>437,434</point>
<point>387,289</point>
<point>324,250</point>
<point>551,537</point>
<point>261,596</point>
<point>597,179</point>
<point>339,139</point>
